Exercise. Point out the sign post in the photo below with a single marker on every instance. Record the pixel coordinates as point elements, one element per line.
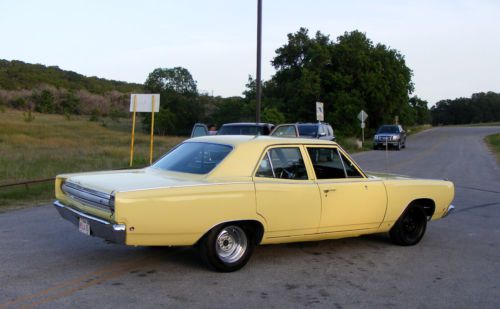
<point>362,117</point>
<point>320,111</point>
<point>144,103</point>
<point>134,109</point>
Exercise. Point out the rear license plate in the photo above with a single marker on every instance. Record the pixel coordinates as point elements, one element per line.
<point>84,226</point>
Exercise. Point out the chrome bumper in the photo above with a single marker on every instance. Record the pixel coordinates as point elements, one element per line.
<point>98,227</point>
<point>448,211</point>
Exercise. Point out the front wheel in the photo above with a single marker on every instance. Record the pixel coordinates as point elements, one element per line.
<point>410,227</point>
<point>227,248</point>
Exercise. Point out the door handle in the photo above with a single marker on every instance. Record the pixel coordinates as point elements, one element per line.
<point>326,191</point>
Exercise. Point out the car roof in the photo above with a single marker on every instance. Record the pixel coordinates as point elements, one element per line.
<point>262,140</point>
<point>246,124</point>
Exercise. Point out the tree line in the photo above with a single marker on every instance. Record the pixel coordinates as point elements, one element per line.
<point>49,89</point>
<point>348,74</point>
<point>480,107</point>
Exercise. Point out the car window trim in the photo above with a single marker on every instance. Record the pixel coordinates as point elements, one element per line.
<point>339,150</point>
<point>302,151</point>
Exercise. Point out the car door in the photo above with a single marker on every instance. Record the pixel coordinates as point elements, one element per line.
<point>199,129</point>
<point>287,197</point>
<point>350,201</point>
<point>285,130</point>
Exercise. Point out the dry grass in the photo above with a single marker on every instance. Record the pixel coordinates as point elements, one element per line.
<point>51,144</point>
<point>493,141</point>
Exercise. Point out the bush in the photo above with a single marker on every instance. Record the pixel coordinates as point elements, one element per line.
<point>95,114</point>
<point>18,103</point>
<point>44,102</point>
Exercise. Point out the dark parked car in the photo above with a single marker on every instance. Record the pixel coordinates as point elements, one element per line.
<point>317,130</point>
<point>237,128</point>
<point>390,136</point>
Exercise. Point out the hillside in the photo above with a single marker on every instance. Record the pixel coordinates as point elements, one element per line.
<point>49,89</point>
<point>17,75</point>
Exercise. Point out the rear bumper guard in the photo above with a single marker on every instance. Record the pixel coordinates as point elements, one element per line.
<point>98,227</point>
<point>450,209</point>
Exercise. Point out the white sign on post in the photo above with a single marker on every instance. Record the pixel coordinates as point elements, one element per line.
<point>362,116</point>
<point>144,102</point>
<point>320,112</point>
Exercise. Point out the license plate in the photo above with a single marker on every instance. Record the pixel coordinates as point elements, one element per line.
<point>84,226</point>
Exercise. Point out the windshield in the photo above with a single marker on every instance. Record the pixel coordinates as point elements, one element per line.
<point>308,130</point>
<point>388,129</point>
<point>240,130</point>
<point>194,158</point>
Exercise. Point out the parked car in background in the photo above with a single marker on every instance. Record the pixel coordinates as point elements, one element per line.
<point>391,135</point>
<point>227,194</point>
<point>317,130</point>
<point>237,128</point>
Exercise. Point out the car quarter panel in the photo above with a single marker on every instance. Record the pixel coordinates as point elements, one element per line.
<point>182,215</point>
<point>401,192</point>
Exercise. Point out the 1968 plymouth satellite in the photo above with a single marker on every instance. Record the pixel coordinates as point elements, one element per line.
<point>226,194</point>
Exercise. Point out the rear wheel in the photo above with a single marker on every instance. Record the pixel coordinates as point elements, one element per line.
<point>227,247</point>
<point>410,227</point>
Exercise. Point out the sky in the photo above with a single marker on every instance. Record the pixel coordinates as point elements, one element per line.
<point>452,47</point>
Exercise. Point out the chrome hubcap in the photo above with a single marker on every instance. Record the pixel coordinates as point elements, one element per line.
<point>231,244</point>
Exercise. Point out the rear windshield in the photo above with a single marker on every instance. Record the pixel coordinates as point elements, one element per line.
<point>308,130</point>
<point>388,129</point>
<point>193,158</point>
<point>241,130</point>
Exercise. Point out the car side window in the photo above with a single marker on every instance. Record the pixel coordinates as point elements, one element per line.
<point>284,163</point>
<point>327,163</point>
<point>285,131</point>
<point>350,169</point>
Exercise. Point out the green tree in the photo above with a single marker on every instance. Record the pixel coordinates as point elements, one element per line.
<point>349,74</point>
<point>70,104</point>
<point>180,106</point>
<point>44,102</point>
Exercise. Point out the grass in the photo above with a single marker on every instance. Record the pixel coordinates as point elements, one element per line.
<point>51,144</point>
<point>493,141</point>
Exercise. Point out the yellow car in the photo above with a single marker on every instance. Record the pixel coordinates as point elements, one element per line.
<point>226,194</point>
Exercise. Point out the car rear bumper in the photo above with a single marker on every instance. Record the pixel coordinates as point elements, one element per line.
<point>450,209</point>
<point>98,227</point>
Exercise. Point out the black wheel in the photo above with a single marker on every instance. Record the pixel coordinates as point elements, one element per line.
<point>227,247</point>
<point>410,227</point>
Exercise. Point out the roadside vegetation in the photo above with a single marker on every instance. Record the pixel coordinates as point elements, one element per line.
<point>49,145</point>
<point>493,141</point>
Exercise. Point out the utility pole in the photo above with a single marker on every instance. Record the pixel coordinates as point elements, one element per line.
<point>258,87</point>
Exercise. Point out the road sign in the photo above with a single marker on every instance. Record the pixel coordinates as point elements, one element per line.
<point>149,103</point>
<point>320,112</point>
<point>362,116</point>
<point>143,102</point>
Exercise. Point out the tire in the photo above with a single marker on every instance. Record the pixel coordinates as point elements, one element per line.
<point>227,247</point>
<point>398,147</point>
<point>410,227</point>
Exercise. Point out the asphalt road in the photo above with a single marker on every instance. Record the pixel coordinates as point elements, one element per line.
<point>46,263</point>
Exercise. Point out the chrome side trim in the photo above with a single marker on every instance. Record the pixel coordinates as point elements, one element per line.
<point>450,209</point>
<point>79,213</point>
<point>194,185</point>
